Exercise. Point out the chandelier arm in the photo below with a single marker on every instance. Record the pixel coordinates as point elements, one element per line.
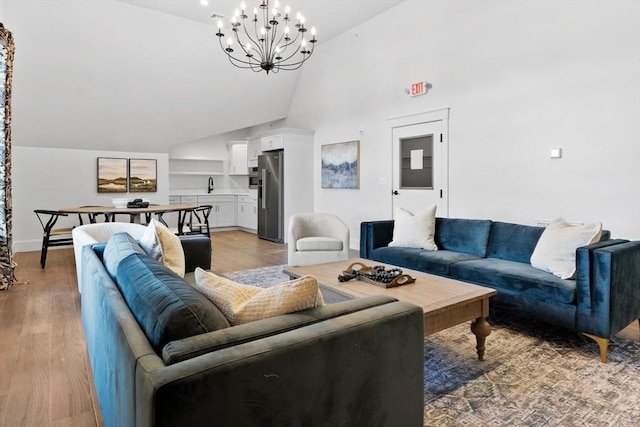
<point>254,42</point>
<point>306,56</point>
<point>292,41</point>
<point>238,62</point>
<point>268,36</point>
<point>242,46</point>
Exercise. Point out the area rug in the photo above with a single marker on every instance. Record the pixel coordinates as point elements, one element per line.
<point>533,374</point>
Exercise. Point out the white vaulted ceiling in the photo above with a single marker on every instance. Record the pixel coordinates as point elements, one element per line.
<point>142,75</point>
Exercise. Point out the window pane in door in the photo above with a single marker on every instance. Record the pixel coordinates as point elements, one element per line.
<point>416,162</point>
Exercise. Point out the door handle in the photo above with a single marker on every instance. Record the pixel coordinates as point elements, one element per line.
<point>395,192</point>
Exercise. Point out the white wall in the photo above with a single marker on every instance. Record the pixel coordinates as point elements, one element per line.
<point>49,178</point>
<point>520,77</point>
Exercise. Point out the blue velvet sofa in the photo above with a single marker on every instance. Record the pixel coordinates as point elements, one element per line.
<point>162,355</point>
<point>603,299</point>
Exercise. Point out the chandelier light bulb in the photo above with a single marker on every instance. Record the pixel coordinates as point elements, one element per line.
<point>204,2</point>
<point>248,47</point>
<point>286,29</point>
<point>287,10</point>
<point>243,6</point>
<point>263,31</point>
<point>237,13</point>
<point>303,43</point>
<point>229,41</point>
<point>301,20</point>
<point>220,24</point>
<point>276,4</point>
<point>313,31</point>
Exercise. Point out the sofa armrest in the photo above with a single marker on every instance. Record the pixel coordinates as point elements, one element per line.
<point>187,348</point>
<point>371,360</point>
<point>614,289</point>
<point>374,234</point>
<point>197,252</point>
<point>584,273</point>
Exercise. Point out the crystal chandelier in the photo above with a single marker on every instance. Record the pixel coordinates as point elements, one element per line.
<point>265,40</point>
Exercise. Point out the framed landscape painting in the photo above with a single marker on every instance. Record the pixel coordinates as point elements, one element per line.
<point>112,175</point>
<point>143,176</point>
<point>341,165</point>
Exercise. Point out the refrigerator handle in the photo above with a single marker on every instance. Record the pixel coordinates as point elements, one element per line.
<point>264,189</point>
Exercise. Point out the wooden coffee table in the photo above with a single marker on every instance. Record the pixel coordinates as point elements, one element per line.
<point>445,302</point>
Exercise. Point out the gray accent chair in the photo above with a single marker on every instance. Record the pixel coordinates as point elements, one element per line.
<point>316,238</point>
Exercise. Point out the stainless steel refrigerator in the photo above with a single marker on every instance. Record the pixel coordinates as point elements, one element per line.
<point>271,196</point>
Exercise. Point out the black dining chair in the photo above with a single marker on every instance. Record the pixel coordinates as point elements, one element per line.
<point>52,236</point>
<point>199,220</point>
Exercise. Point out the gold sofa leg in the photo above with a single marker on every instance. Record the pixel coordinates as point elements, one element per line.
<point>603,343</point>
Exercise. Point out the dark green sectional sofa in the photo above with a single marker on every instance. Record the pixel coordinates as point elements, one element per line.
<point>162,355</point>
<point>602,300</point>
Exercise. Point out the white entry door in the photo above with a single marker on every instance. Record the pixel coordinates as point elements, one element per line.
<point>420,167</point>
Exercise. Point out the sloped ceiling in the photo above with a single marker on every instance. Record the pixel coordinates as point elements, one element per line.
<point>143,75</point>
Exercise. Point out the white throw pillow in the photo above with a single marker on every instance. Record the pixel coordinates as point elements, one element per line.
<point>163,246</point>
<point>415,231</point>
<point>555,252</point>
<point>245,303</point>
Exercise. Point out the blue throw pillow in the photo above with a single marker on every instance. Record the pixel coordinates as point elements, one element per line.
<point>118,247</point>
<point>166,307</point>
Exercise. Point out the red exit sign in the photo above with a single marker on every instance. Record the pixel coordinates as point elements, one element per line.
<point>418,89</point>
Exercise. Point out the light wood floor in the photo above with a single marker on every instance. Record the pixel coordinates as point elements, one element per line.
<point>44,369</point>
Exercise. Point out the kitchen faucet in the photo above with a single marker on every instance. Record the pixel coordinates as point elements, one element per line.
<point>210,186</point>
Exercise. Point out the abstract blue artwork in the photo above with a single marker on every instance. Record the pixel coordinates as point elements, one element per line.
<point>341,165</point>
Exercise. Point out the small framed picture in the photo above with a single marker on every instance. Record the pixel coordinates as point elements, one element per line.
<point>112,175</point>
<point>143,176</point>
<point>341,165</point>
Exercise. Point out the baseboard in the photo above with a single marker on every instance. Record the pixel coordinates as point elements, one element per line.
<point>27,245</point>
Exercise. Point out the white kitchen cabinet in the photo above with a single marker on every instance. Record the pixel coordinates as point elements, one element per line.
<point>254,149</point>
<point>238,161</point>
<point>248,212</point>
<point>223,211</point>
<point>272,142</point>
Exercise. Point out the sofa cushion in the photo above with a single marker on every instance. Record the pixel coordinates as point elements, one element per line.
<point>469,236</point>
<point>118,247</point>
<point>414,231</point>
<point>516,276</point>
<point>318,244</point>
<point>556,249</point>
<point>163,246</point>
<point>165,306</point>
<point>434,262</point>
<point>513,242</point>
<point>246,303</point>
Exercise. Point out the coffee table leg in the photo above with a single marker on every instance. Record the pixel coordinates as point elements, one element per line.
<point>481,329</point>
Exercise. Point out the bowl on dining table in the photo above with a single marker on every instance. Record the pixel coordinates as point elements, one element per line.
<point>120,202</point>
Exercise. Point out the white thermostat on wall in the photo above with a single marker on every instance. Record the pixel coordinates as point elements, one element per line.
<point>556,153</point>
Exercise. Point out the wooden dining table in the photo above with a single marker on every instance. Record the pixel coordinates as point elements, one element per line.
<point>110,213</point>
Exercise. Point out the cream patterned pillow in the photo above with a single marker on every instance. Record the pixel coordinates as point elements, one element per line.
<point>555,252</point>
<point>245,303</point>
<point>415,231</point>
<point>163,246</point>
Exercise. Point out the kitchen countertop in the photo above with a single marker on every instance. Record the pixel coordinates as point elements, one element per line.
<point>247,193</point>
